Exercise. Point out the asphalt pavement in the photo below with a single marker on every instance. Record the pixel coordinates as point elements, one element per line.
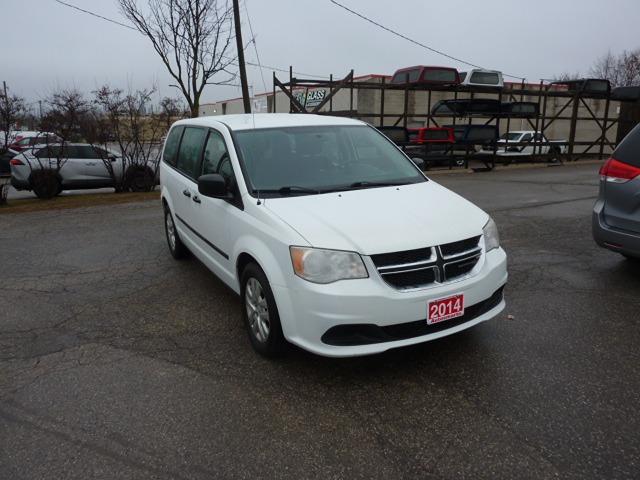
<point>118,362</point>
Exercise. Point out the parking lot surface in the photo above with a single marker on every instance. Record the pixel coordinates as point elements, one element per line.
<point>119,362</point>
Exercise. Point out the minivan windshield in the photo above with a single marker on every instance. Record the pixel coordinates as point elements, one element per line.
<point>310,160</point>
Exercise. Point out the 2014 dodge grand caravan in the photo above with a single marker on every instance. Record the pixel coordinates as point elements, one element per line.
<point>333,238</point>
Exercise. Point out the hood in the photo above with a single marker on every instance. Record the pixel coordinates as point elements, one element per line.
<point>381,220</point>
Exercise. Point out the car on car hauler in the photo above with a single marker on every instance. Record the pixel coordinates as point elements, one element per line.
<point>333,238</point>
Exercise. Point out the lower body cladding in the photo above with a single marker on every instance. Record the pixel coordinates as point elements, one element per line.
<point>621,241</point>
<point>367,316</point>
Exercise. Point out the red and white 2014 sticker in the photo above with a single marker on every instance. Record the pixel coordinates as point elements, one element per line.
<point>445,308</point>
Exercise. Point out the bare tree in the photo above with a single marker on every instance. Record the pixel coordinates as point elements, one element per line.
<point>621,70</point>
<point>192,37</point>
<point>12,109</point>
<point>566,76</point>
<point>121,119</point>
<point>67,112</point>
<point>172,109</point>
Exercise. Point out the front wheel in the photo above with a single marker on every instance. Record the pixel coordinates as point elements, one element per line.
<point>260,313</point>
<point>176,247</point>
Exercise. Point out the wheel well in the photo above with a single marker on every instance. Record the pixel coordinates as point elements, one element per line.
<point>243,260</point>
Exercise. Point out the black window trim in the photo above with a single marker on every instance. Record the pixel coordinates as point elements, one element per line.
<point>236,201</point>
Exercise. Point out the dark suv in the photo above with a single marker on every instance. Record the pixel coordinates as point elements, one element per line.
<point>616,215</point>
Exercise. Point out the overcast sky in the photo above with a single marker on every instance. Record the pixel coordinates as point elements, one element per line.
<point>47,45</point>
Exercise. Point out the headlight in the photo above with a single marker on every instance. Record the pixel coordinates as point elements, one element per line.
<point>326,266</point>
<point>491,237</point>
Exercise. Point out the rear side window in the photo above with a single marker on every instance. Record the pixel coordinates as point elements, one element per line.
<point>48,152</point>
<point>191,151</point>
<point>444,75</point>
<point>629,149</point>
<point>171,146</point>
<point>485,78</point>
<point>86,152</point>
<point>406,76</point>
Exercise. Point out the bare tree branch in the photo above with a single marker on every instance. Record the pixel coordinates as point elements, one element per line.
<point>193,39</point>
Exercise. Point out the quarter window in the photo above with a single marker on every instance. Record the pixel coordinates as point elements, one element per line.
<point>171,145</point>
<point>190,151</point>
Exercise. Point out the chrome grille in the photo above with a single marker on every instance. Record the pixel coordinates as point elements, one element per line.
<point>411,269</point>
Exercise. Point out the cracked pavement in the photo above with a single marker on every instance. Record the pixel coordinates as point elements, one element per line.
<point>118,362</point>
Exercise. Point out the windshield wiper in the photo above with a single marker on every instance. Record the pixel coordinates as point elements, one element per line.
<point>365,184</point>
<point>289,190</point>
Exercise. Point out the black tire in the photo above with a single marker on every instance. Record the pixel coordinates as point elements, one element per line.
<point>275,344</point>
<point>631,258</point>
<point>45,184</point>
<point>176,247</point>
<point>139,178</point>
<point>554,153</point>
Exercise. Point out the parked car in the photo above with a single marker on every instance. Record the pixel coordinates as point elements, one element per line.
<point>528,142</point>
<point>26,140</point>
<point>332,237</point>
<point>82,166</point>
<point>426,75</point>
<point>616,214</point>
<point>479,77</point>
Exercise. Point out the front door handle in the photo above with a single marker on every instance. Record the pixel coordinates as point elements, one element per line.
<point>196,199</point>
<point>186,193</point>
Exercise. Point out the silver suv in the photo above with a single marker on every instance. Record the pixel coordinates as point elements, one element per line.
<point>616,215</point>
<point>80,166</point>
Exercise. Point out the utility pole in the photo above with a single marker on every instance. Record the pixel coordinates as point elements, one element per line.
<point>243,72</point>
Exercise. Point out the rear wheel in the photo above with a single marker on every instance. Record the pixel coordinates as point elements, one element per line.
<point>176,247</point>
<point>45,184</point>
<point>260,312</point>
<point>631,258</point>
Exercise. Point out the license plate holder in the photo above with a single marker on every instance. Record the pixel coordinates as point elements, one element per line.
<point>446,308</point>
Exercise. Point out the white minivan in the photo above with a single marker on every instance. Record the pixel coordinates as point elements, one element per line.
<point>334,239</point>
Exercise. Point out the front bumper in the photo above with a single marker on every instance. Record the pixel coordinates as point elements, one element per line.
<point>611,238</point>
<point>309,312</point>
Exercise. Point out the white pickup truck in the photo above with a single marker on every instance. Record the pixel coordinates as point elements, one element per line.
<point>528,142</point>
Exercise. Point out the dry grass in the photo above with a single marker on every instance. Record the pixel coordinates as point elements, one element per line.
<point>65,202</point>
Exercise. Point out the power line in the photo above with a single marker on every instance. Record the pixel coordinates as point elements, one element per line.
<point>96,15</point>
<point>415,42</point>
<point>255,45</point>
<point>130,27</point>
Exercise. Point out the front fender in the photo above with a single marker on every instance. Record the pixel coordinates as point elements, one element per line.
<point>271,257</point>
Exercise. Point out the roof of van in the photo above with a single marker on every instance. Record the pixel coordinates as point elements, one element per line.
<point>248,121</point>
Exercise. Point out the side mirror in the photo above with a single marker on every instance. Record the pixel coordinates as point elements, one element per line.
<point>419,162</point>
<point>213,185</point>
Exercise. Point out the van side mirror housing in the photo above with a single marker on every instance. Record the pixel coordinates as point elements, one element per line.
<point>213,185</point>
<point>419,162</point>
